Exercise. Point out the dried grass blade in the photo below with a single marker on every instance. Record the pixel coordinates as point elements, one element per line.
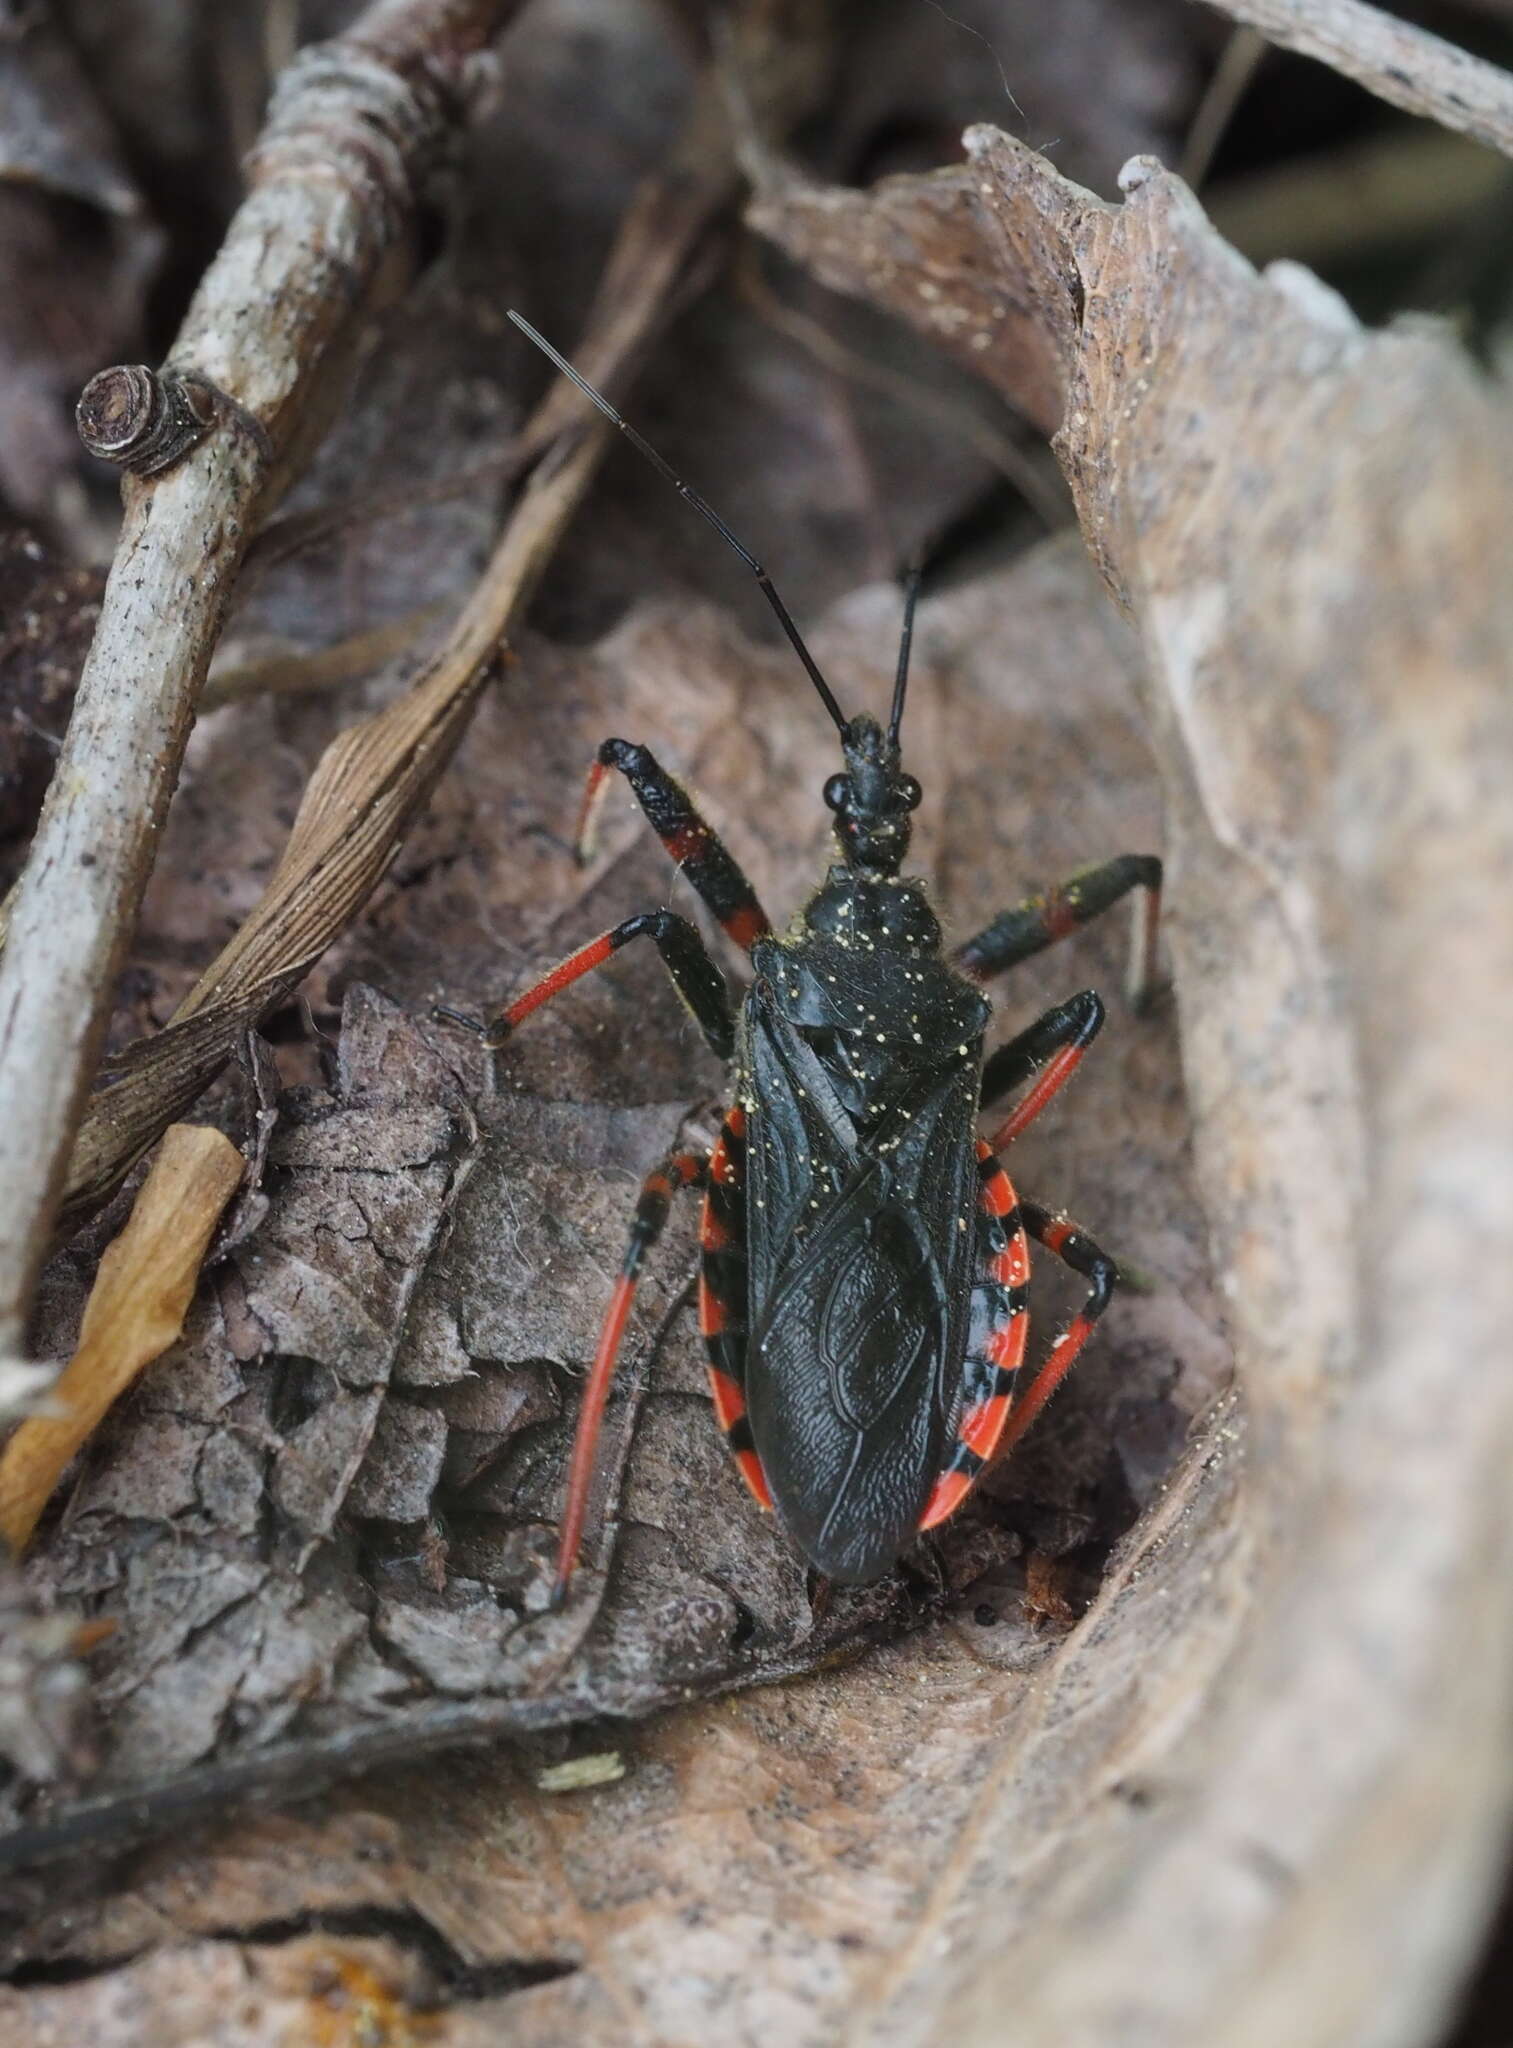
<point>135,1311</point>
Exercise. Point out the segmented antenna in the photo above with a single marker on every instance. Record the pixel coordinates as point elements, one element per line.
<point>901,680</point>
<point>784,617</point>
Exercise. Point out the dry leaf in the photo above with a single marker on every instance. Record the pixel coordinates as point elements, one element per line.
<point>395,1348</point>
<point>135,1311</point>
<point>1304,521</point>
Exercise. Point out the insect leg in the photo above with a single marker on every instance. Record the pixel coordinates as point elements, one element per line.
<point>1051,1051</point>
<point>722,1297</point>
<point>694,975</point>
<point>689,841</point>
<point>1079,1252</point>
<point>995,1340</point>
<point>1041,920</point>
<point>678,1170</point>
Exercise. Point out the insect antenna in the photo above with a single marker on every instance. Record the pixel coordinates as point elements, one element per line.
<point>901,680</point>
<point>784,616</point>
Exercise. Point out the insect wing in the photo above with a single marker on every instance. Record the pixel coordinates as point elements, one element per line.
<point>859,1277</point>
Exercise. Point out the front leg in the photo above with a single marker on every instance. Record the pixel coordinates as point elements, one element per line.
<point>693,845</point>
<point>1041,921</point>
<point>694,975</point>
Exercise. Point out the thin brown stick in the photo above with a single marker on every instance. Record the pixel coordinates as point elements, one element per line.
<point>1040,489</point>
<point>352,132</point>
<point>320,668</point>
<point>374,777</point>
<point>1223,93</point>
<point>1346,203</point>
<point>1404,65</point>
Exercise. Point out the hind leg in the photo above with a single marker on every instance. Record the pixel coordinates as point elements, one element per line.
<point>722,1297</point>
<point>678,1170</point>
<point>995,1341</point>
<point>1075,1249</point>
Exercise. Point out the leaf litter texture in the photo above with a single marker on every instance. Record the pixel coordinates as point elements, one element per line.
<point>882,1770</point>
<point>1299,517</point>
<point>1255,1793</point>
<point>354,1458</point>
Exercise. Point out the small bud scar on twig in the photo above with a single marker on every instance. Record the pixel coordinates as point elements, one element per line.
<point>144,420</point>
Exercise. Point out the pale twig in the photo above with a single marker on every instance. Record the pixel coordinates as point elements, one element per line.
<point>1404,65</point>
<point>354,130</point>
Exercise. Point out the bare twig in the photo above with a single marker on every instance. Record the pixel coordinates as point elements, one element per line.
<point>1406,66</point>
<point>135,1311</point>
<point>353,133</point>
<point>374,777</point>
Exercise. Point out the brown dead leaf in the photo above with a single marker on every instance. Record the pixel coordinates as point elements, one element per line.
<point>1303,521</point>
<point>455,1272</point>
<point>135,1311</point>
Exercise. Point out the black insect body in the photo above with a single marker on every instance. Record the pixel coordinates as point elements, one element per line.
<point>857,1060</point>
<point>865,1261</point>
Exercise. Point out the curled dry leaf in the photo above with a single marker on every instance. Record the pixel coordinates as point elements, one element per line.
<point>136,1310</point>
<point>1304,522</point>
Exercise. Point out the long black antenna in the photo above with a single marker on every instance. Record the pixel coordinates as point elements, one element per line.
<point>901,680</point>
<point>785,619</point>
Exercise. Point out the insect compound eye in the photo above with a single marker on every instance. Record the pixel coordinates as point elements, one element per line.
<point>836,790</point>
<point>910,792</point>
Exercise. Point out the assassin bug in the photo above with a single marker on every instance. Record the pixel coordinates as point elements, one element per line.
<point>864,1258</point>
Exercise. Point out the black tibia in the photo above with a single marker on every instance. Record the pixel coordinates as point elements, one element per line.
<point>690,842</point>
<point>1040,921</point>
<point>694,975</point>
<point>1077,1250</point>
<point>1075,1023</point>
